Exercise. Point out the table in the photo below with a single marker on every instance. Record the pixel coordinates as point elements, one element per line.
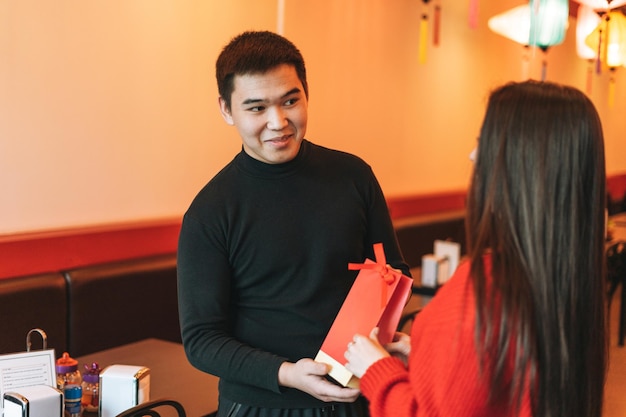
<point>171,374</point>
<point>619,226</point>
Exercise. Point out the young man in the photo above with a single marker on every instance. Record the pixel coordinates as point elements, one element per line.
<point>264,247</point>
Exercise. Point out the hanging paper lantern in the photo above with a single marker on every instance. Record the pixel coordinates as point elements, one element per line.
<point>616,42</point>
<point>586,21</point>
<point>609,39</point>
<point>602,4</point>
<point>513,24</point>
<point>548,22</point>
<point>541,23</point>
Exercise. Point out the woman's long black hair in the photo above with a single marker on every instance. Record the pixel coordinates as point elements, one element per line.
<point>537,205</point>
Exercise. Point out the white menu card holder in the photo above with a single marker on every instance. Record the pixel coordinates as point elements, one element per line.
<point>25,369</point>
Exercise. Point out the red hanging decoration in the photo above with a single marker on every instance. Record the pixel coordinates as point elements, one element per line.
<point>473,14</point>
<point>589,77</point>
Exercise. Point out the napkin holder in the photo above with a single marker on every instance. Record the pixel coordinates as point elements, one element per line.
<point>123,387</point>
<point>33,401</point>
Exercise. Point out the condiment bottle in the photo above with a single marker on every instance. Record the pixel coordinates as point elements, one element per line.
<point>91,387</point>
<point>69,381</point>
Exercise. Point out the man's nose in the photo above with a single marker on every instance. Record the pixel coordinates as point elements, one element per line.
<point>276,119</point>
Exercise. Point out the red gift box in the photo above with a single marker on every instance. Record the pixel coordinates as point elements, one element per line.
<point>376,299</point>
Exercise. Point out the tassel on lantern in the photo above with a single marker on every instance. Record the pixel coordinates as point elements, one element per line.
<point>423,38</point>
<point>526,63</point>
<point>612,89</point>
<point>589,76</point>
<point>599,53</point>
<point>437,25</point>
<point>423,42</point>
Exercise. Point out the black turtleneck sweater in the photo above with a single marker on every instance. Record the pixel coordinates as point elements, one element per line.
<point>263,265</point>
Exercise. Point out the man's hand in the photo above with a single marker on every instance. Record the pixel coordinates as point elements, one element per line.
<point>308,376</point>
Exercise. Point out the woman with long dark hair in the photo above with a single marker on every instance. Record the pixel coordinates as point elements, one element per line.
<point>520,328</point>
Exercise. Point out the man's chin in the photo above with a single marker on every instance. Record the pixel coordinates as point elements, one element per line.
<point>282,152</point>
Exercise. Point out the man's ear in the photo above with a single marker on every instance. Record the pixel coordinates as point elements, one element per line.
<point>225,111</point>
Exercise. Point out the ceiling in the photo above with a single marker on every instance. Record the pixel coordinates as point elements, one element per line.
<point>573,8</point>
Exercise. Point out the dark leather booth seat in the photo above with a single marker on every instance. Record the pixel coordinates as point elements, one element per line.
<point>416,235</point>
<point>30,302</point>
<point>616,205</point>
<point>88,309</point>
<point>123,302</point>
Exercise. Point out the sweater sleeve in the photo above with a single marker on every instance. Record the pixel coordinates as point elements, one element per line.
<point>386,385</point>
<point>443,377</point>
<point>204,294</point>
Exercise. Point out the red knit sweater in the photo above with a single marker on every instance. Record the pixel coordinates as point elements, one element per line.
<point>443,377</point>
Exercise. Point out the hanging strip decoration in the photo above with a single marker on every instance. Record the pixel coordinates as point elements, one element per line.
<point>437,25</point>
<point>473,14</point>
<point>611,97</point>
<point>526,63</point>
<point>589,83</point>
<point>599,52</point>
<point>280,18</point>
<point>423,34</point>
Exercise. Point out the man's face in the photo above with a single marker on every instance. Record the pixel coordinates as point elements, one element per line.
<point>270,112</point>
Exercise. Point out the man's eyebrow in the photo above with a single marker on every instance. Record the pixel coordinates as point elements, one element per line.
<point>294,90</point>
<point>249,101</point>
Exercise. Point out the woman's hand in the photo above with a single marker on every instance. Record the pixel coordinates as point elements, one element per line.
<point>400,347</point>
<point>362,352</point>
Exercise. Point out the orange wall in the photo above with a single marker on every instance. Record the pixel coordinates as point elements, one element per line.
<point>108,110</point>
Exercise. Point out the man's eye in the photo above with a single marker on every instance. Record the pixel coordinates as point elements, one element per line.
<point>256,108</point>
<point>291,102</point>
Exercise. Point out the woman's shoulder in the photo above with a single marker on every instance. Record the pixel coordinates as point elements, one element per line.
<point>452,304</point>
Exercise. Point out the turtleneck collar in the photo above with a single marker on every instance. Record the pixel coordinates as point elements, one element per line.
<point>261,169</point>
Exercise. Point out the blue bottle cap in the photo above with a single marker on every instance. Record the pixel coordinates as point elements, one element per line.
<point>72,392</point>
